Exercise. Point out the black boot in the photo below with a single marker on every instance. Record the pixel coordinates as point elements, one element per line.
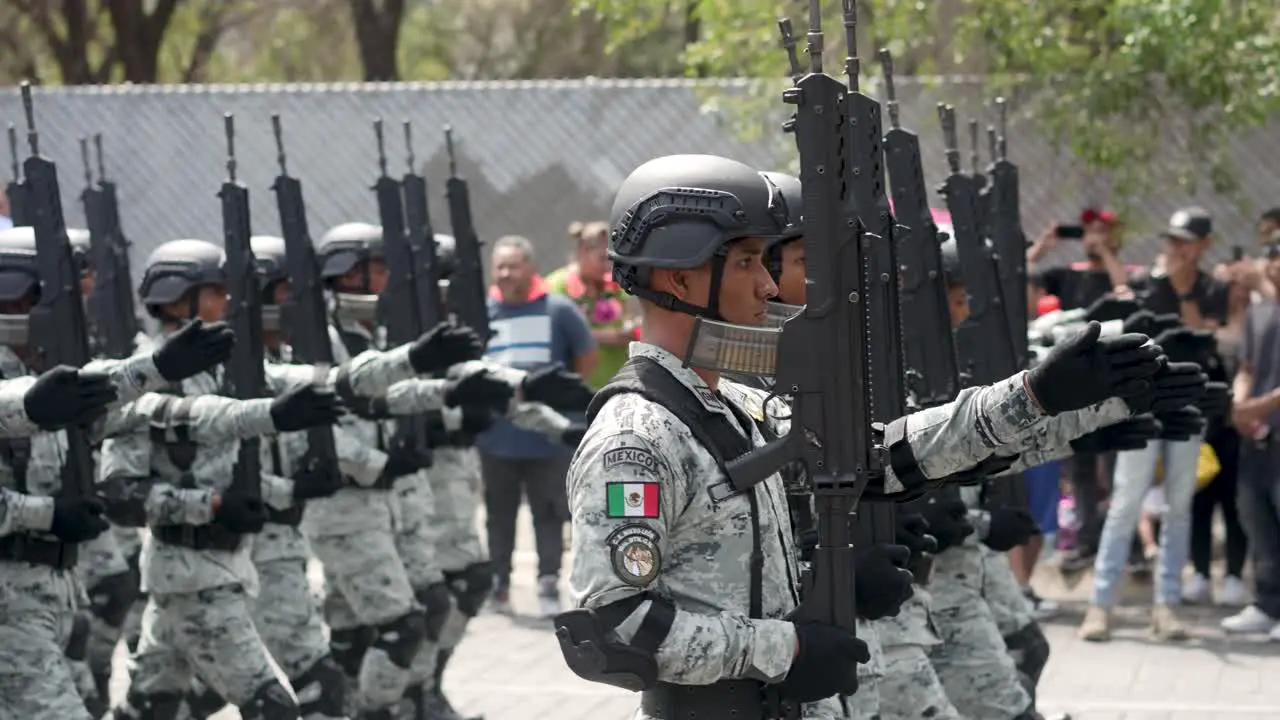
<point>439,701</point>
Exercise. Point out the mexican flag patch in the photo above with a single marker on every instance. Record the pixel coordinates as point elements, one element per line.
<point>633,500</point>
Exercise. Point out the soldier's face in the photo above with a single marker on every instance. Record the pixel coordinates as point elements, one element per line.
<point>211,303</point>
<point>281,292</point>
<point>745,288</point>
<point>21,306</point>
<point>958,303</point>
<point>791,288</point>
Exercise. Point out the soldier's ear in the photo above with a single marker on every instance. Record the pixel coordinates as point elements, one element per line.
<point>672,281</point>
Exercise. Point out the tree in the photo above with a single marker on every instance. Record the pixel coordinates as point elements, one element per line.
<point>378,35</point>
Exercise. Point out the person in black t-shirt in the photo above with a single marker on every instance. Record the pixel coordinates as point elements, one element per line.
<point>1080,284</point>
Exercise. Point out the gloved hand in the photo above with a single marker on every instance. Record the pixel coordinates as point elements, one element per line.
<point>480,388</point>
<point>572,436</point>
<point>948,522</point>
<point>557,388</point>
<point>988,467</point>
<point>912,532</point>
<point>1110,307</point>
<point>1010,527</point>
<point>1181,424</point>
<point>1145,322</point>
<point>65,396</point>
<point>884,582</point>
<point>76,520</point>
<point>826,665</point>
<point>310,483</point>
<point>1131,434</point>
<point>305,407</point>
<point>194,349</point>
<point>1186,345</point>
<point>443,346</point>
<point>1215,403</point>
<point>401,461</point>
<point>477,418</point>
<point>1086,370</point>
<point>241,513</point>
<point>1175,385</point>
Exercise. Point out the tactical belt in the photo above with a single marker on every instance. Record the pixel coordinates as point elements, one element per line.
<point>291,517</point>
<point>737,699</point>
<point>34,551</point>
<point>197,537</point>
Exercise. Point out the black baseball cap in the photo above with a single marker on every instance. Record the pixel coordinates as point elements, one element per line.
<point>1190,223</point>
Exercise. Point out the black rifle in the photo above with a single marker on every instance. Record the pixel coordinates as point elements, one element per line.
<point>874,523</point>
<point>57,331</point>
<point>1007,235</point>
<point>467,296</point>
<point>304,319</point>
<point>99,306</point>
<point>422,241</point>
<point>244,377</point>
<point>124,324</point>
<point>16,190</point>
<point>984,343</point>
<point>983,208</point>
<point>822,350</point>
<point>398,307</point>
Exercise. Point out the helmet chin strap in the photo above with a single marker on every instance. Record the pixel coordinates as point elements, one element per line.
<point>627,279</point>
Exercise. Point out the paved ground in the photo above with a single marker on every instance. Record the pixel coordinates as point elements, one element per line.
<point>510,668</point>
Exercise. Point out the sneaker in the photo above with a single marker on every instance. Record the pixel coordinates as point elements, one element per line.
<point>1165,625</point>
<point>549,596</point>
<point>1233,593</point>
<point>1097,625</point>
<point>1197,591</point>
<point>500,601</point>
<point>1041,609</point>
<point>1250,620</point>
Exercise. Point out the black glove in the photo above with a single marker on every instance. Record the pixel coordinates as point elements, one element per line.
<point>316,482</point>
<point>557,388</point>
<point>444,346</point>
<point>241,513</point>
<point>1175,385</point>
<point>1186,345</point>
<point>912,532</point>
<point>403,460</point>
<point>827,664</point>
<point>1145,322</point>
<point>1131,434</point>
<point>948,522</point>
<point>884,582</point>
<point>305,407</point>
<point>1010,528</point>
<point>572,436</point>
<point>76,520</point>
<point>1110,307</point>
<point>65,396</point>
<point>194,349</point>
<point>1086,370</point>
<point>477,418</point>
<point>1181,424</point>
<point>987,468</point>
<point>1216,401</point>
<point>481,388</point>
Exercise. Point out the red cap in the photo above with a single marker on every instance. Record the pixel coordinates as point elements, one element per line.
<point>1091,214</point>
<point>1047,304</point>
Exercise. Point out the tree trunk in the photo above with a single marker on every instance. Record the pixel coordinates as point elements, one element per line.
<point>378,35</point>
<point>139,36</point>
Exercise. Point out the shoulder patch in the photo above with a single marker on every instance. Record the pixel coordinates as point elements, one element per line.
<point>630,455</point>
<point>633,551</point>
<point>709,398</point>
<point>632,499</point>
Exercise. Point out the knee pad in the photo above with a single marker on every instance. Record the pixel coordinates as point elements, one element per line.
<point>112,597</point>
<point>401,638</point>
<point>205,704</point>
<point>1033,648</point>
<point>437,603</point>
<point>471,587</point>
<point>347,647</point>
<point>327,676</point>
<point>158,706</point>
<point>271,702</point>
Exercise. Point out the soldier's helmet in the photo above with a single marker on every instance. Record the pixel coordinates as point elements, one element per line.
<point>342,248</point>
<point>793,197</point>
<point>682,211</point>
<point>177,267</point>
<point>446,255</point>
<point>269,266</point>
<point>19,279</point>
<point>78,238</point>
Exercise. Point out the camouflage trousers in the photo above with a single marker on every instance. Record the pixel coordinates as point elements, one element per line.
<point>208,634</point>
<point>865,704</point>
<point>111,586</point>
<point>456,484</point>
<point>37,610</point>
<point>910,688</point>
<point>1001,591</point>
<point>419,539</point>
<point>287,618</point>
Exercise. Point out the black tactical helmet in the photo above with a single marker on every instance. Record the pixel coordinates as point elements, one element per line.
<point>177,267</point>
<point>347,244</point>
<point>18,273</point>
<point>446,255</point>
<point>682,211</point>
<point>951,263</point>
<point>79,248</point>
<point>793,198</point>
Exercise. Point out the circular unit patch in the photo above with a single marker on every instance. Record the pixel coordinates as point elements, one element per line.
<point>634,554</point>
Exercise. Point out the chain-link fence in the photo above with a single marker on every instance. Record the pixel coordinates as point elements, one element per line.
<point>538,154</point>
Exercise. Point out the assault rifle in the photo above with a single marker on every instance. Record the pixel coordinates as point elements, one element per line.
<point>304,322</point>
<point>16,190</point>
<point>244,375</point>
<point>57,325</point>
<point>875,522</point>
<point>99,256</point>
<point>467,296</point>
<point>980,182</point>
<point>821,354</point>
<point>1007,235</point>
<point>398,307</point>
<point>422,241</point>
<point>113,324</point>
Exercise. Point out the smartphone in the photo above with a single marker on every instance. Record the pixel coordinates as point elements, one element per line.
<point>1237,253</point>
<point>1070,232</point>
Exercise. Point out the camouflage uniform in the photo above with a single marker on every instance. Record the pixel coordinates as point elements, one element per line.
<point>910,689</point>
<point>866,704</point>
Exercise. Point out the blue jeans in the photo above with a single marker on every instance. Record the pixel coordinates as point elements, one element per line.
<point>1135,470</point>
